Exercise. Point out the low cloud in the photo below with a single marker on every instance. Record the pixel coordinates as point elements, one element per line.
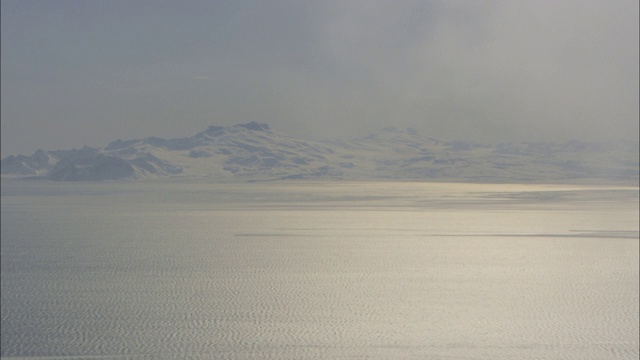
<point>490,71</point>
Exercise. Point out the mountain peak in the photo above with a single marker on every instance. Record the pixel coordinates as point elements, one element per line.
<point>395,130</point>
<point>255,126</point>
<point>215,130</point>
<point>253,151</point>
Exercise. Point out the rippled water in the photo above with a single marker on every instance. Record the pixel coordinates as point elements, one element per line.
<point>319,271</point>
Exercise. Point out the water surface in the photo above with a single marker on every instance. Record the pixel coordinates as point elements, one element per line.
<point>319,270</point>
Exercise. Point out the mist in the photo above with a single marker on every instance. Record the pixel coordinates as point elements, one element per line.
<point>85,73</point>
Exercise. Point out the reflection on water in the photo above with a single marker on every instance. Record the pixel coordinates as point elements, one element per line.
<point>319,270</point>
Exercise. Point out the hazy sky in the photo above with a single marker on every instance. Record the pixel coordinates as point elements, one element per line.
<point>83,72</point>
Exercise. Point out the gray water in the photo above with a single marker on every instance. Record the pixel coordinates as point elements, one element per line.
<point>319,271</point>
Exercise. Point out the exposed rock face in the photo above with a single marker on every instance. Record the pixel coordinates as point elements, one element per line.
<point>28,165</point>
<point>154,165</point>
<point>92,167</point>
<point>16,165</point>
<point>254,152</point>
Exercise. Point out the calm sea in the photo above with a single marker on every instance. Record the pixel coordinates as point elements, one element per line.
<point>318,270</point>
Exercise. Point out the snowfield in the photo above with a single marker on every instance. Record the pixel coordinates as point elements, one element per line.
<point>254,152</point>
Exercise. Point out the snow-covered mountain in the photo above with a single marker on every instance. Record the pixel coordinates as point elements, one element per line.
<point>255,152</point>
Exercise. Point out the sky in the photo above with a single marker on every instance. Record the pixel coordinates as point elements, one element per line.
<point>77,73</point>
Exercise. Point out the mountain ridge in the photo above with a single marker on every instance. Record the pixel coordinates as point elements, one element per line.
<point>255,152</point>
